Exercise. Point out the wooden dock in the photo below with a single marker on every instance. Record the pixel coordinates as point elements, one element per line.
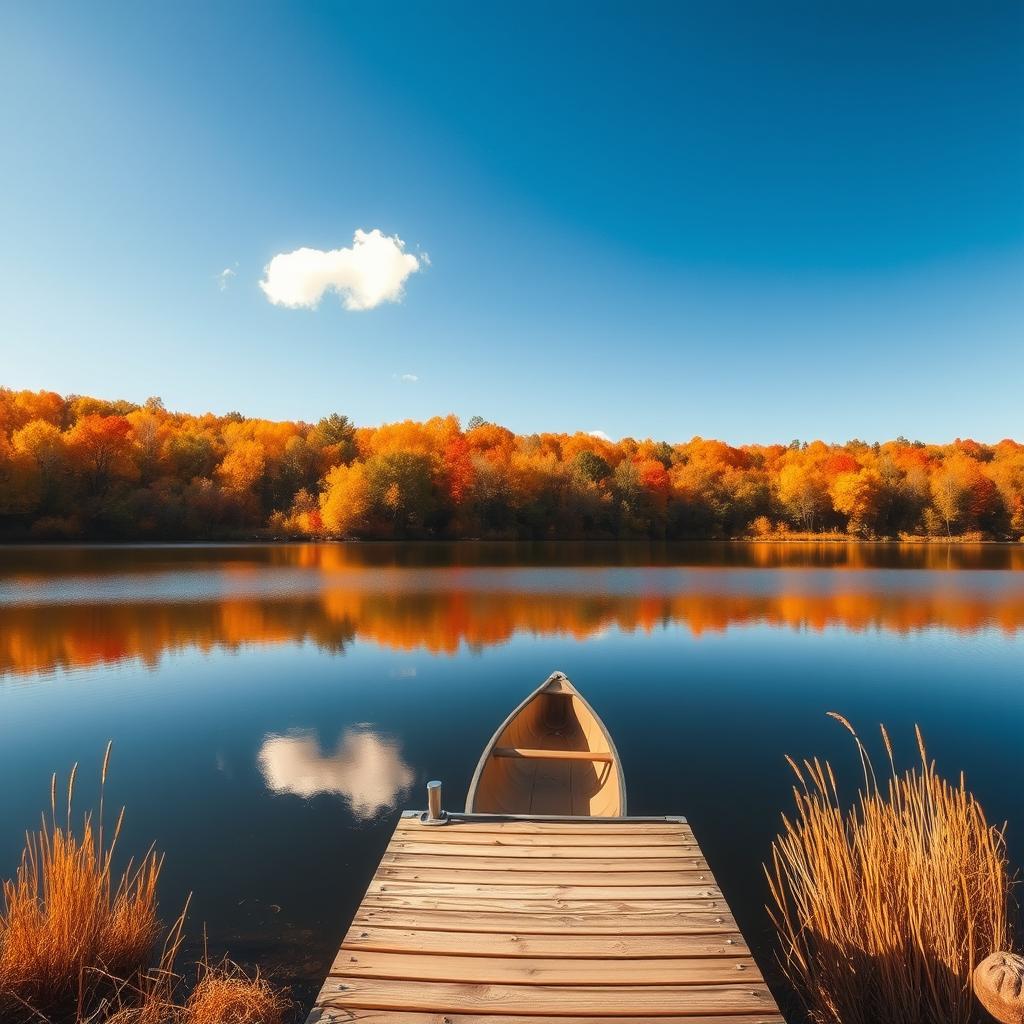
<point>515,921</point>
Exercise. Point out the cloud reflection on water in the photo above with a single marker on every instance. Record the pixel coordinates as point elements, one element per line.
<point>366,769</point>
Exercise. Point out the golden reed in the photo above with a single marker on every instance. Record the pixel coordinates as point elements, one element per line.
<point>883,910</point>
<point>80,943</point>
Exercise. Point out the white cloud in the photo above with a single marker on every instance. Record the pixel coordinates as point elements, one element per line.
<point>599,434</point>
<point>409,378</point>
<point>366,769</point>
<point>372,271</point>
<point>224,277</point>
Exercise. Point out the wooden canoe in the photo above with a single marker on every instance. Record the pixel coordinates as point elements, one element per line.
<point>552,755</point>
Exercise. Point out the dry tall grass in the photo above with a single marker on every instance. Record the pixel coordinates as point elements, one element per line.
<point>69,926</point>
<point>223,995</point>
<point>81,944</point>
<point>884,910</point>
<point>227,996</point>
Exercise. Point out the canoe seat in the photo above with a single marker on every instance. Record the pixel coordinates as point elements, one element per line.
<point>554,755</point>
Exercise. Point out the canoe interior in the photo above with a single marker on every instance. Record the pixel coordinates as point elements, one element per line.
<point>512,779</point>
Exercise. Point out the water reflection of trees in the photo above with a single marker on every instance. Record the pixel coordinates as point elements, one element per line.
<point>41,638</point>
<point>82,560</point>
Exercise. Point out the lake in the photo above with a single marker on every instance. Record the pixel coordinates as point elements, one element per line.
<point>273,707</point>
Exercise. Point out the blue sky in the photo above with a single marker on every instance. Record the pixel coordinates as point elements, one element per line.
<point>745,220</point>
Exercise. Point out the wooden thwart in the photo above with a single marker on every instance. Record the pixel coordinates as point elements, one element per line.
<point>526,753</point>
<point>495,921</point>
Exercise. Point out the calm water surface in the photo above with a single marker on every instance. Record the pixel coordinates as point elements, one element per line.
<point>274,707</point>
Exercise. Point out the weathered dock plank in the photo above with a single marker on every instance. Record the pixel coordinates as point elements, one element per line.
<point>544,922</point>
<point>503,969</point>
<point>426,857</point>
<point>523,891</point>
<point>551,922</point>
<point>326,1015</point>
<point>497,825</point>
<point>548,1000</point>
<point>510,905</point>
<point>556,874</point>
<point>504,851</point>
<point>593,947</point>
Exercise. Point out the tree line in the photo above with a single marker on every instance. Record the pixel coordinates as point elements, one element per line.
<point>84,468</point>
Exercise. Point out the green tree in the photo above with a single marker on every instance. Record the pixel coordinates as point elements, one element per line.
<point>664,453</point>
<point>191,455</point>
<point>402,492</point>
<point>591,467</point>
<point>337,432</point>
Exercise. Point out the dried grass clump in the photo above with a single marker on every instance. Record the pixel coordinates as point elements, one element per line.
<point>71,931</point>
<point>884,910</point>
<point>225,995</point>
<point>81,945</point>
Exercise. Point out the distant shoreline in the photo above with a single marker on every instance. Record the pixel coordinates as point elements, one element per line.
<point>75,468</point>
<point>830,539</point>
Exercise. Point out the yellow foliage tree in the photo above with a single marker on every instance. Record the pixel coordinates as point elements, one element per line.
<point>802,491</point>
<point>856,495</point>
<point>243,466</point>
<point>39,458</point>
<point>345,501</point>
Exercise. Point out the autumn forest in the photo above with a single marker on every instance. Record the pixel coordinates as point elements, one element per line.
<point>84,468</point>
